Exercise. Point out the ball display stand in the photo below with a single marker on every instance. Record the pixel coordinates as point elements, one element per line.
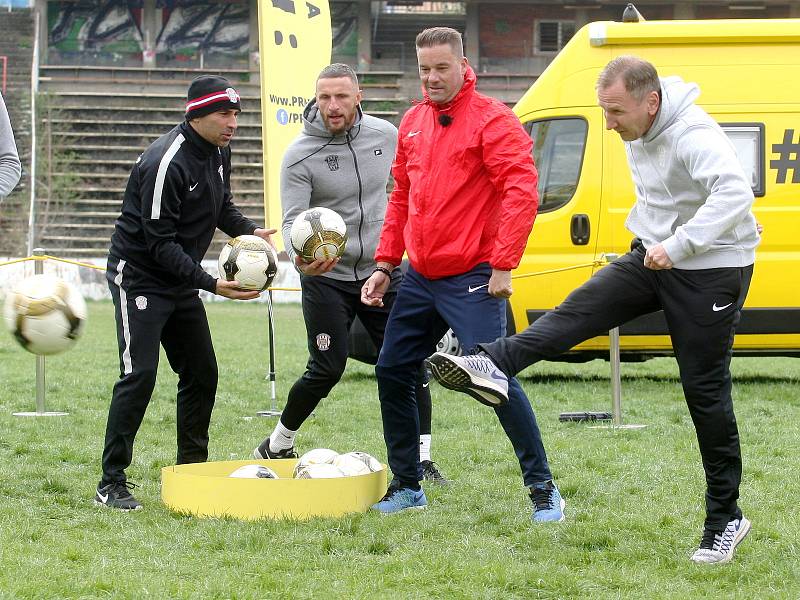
<point>38,269</point>
<point>206,490</point>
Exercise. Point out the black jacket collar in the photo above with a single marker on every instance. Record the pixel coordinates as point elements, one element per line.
<point>198,145</point>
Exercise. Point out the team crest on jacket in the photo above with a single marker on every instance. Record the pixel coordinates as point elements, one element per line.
<point>333,162</point>
<point>323,341</point>
<point>141,302</point>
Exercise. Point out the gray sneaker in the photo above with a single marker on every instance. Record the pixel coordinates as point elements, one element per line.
<point>475,375</point>
<point>717,547</point>
<point>431,472</point>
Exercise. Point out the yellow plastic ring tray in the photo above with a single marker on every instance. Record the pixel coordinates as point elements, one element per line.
<point>205,490</point>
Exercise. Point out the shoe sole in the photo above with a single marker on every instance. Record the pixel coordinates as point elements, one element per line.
<point>454,377</point>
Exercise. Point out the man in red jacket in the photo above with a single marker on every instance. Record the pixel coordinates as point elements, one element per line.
<point>463,206</point>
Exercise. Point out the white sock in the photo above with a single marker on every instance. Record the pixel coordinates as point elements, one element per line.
<point>281,438</point>
<point>425,447</point>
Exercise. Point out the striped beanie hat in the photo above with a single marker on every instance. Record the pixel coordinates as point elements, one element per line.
<point>208,94</point>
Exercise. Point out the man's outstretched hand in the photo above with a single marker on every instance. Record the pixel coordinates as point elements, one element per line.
<point>231,289</point>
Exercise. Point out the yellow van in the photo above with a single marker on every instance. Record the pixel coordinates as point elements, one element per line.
<point>749,77</point>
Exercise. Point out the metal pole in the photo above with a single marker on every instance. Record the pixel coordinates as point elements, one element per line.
<point>38,269</point>
<point>273,411</point>
<point>616,376</point>
<point>616,379</point>
<point>34,91</point>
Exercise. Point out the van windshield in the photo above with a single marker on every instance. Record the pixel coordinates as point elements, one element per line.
<point>558,147</point>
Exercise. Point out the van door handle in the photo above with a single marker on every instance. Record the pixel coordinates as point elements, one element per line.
<point>580,229</point>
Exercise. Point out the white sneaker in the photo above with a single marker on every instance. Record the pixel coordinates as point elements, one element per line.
<point>718,546</point>
<point>475,375</point>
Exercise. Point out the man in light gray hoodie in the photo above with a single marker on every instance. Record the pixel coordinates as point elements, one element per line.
<point>341,161</point>
<point>692,257</point>
<point>10,167</point>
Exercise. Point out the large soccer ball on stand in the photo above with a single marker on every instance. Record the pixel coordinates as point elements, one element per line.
<point>45,314</point>
<point>250,260</point>
<point>318,233</point>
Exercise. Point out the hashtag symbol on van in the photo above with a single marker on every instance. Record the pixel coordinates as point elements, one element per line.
<point>785,162</point>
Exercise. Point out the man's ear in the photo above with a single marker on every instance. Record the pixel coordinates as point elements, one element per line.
<point>653,103</point>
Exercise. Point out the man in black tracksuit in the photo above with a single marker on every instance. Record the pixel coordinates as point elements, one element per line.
<point>340,161</point>
<point>177,195</point>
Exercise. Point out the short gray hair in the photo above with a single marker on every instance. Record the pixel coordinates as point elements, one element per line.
<point>438,36</point>
<point>338,70</point>
<point>639,76</point>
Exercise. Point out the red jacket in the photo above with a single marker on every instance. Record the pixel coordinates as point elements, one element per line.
<point>465,193</point>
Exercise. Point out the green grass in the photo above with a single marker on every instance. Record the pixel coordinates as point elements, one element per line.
<point>634,497</point>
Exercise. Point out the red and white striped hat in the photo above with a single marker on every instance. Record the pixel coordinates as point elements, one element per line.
<point>208,94</point>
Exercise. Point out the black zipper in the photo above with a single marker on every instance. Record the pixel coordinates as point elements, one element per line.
<point>360,208</point>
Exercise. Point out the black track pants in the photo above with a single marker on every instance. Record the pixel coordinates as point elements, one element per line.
<point>147,316</point>
<point>702,309</point>
<point>329,308</point>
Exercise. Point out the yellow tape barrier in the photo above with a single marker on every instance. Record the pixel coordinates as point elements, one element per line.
<point>595,263</point>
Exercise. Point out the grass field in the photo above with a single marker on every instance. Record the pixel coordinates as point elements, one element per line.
<point>634,497</point>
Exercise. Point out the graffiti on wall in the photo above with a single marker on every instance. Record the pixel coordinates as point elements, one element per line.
<point>111,30</point>
<point>190,27</point>
<point>111,27</point>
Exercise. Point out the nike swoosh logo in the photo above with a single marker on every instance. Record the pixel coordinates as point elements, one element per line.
<point>413,133</point>
<point>103,499</point>
<point>425,384</point>
<point>716,308</point>
<point>499,376</point>
<point>471,289</point>
<point>191,187</point>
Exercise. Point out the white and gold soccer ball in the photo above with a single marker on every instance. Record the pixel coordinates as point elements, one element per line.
<point>351,465</point>
<point>372,463</point>
<point>317,456</point>
<point>318,233</point>
<point>45,314</point>
<point>254,472</point>
<point>319,471</point>
<point>250,260</point>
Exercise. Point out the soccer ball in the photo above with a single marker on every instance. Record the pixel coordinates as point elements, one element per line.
<point>318,233</point>
<point>254,472</point>
<point>45,314</point>
<point>317,456</point>
<point>351,465</point>
<point>372,463</point>
<point>319,471</point>
<point>250,260</point>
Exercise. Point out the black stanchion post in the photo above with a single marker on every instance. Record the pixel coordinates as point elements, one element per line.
<point>273,411</point>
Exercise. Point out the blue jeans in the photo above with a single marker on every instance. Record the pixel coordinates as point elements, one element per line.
<point>422,313</point>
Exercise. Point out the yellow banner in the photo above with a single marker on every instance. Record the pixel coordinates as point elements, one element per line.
<point>294,46</point>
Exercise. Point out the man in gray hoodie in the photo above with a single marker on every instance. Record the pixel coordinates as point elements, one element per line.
<point>341,161</point>
<point>692,257</point>
<point>10,168</point>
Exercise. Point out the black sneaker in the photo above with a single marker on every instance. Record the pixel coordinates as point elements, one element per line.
<point>264,453</point>
<point>431,472</point>
<point>116,495</point>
